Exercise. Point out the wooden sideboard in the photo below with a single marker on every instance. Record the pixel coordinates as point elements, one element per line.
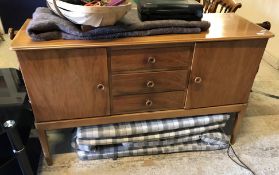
<point>80,83</point>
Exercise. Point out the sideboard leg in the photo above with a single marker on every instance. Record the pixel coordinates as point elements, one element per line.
<point>45,146</point>
<point>237,124</point>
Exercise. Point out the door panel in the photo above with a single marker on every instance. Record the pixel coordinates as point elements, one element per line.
<point>63,83</point>
<point>223,72</point>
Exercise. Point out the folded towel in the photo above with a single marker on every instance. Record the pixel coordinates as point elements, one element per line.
<point>45,25</point>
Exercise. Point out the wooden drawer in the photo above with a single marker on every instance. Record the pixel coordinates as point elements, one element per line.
<point>151,58</point>
<point>148,102</point>
<point>127,84</point>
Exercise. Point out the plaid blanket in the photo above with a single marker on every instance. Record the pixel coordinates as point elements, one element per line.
<point>141,127</point>
<point>206,142</point>
<point>161,142</point>
<point>151,137</point>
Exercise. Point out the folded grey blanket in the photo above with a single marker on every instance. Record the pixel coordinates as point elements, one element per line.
<point>45,25</point>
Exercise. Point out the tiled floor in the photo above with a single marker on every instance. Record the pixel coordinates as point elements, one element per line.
<point>257,145</point>
<point>266,81</point>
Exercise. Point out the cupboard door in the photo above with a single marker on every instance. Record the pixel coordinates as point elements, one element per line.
<point>223,72</point>
<point>66,83</point>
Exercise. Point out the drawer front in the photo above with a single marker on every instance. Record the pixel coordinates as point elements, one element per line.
<point>148,102</point>
<point>151,59</point>
<point>137,83</point>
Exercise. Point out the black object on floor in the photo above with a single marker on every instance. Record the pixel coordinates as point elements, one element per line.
<point>18,148</point>
<point>14,106</point>
<point>11,166</point>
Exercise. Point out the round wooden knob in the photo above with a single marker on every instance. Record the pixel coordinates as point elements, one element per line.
<point>198,80</point>
<point>148,103</point>
<point>150,84</point>
<point>151,60</point>
<point>101,87</point>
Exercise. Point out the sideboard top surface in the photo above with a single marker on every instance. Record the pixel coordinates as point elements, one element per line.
<point>224,26</point>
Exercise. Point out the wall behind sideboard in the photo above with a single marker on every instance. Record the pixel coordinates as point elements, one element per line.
<point>264,10</point>
<point>14,13</point>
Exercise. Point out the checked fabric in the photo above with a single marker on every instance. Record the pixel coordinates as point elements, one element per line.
<point>151,137</point>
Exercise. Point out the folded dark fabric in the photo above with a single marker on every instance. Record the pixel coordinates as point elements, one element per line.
<point>45,25</point>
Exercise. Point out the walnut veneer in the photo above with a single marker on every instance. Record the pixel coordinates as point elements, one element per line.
<point>81,83</point>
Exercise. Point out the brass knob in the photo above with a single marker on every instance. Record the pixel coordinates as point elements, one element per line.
<point>151,60</point>
<point>150,84</point>
<point>101,87</point>
<point>148,103</point>
<point>198,80</point>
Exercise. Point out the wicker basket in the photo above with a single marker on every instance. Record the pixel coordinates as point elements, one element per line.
<point>89,15</point>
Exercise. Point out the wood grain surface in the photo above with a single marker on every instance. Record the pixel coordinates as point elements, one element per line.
<point>227,70</point>
<point>139,103</point>
<point>151,58</point>
<point>62,84</point>
<point>149,82</point>
<point>139,116</point>
<point>227,26</point>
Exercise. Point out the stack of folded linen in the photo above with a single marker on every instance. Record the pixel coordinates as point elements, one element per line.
<point>45,25</point>
<point>151,137</point>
